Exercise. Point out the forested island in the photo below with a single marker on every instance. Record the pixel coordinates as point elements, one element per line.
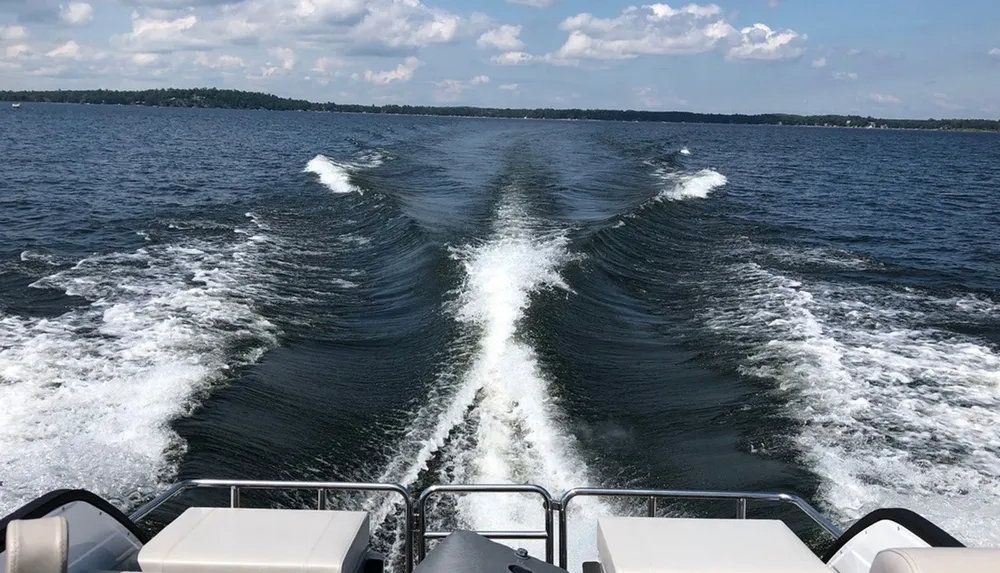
<point>235,99</point>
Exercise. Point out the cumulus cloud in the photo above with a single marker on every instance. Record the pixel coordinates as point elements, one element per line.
<point>533,3</point>
<point>760,42</point>
<point>166,34</point>
<point>452,90</point>
<point>449,90</point>
<point>884,98</point>
<point>286,55</point>
<point>219,62</point>
<point>845,76</point>
<point>326,64</point>
<point>656,29</point>
<point>8,33</point>
<point>68,51</point>
<point>505,38</point>
<point>143,59</point>
<point>512,58</point>
<point>76,13</point>
<point>995,52</point>
<point>362,26</point>
<point>17,51</point>
<point>818,63</point>
<point>402,73</point>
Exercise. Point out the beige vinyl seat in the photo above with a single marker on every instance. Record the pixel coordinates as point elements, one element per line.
<point>664,545</point>
<point>242,540</point>
<point>37,545</point>
<point>937,560</point>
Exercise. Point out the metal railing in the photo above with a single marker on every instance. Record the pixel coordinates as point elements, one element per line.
<point>423,535</point>
<point>415,522</point>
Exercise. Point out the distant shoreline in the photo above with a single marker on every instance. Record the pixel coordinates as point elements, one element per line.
<point>233,99</point>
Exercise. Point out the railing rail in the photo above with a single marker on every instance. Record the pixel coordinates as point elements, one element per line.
<point>415,508</point>
<point>423,535</point>
<point>652,495</point>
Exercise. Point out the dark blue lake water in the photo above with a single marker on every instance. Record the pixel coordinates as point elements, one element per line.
<point>239,294</point>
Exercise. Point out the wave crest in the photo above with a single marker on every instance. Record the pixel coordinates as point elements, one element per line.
<point>694,186</point>
<point>334,175</point>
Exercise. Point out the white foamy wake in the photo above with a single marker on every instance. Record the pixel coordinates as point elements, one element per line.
<point>501,424</point>
<point>336,176</point>
<point>894,411</point>
<point>87,397</point>
<point>692,186</point>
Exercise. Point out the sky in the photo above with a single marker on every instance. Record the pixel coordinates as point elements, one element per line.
<point>887,58</point>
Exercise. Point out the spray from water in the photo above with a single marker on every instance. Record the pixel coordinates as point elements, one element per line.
<point>501,424</point>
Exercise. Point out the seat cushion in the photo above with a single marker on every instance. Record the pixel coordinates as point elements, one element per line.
<point>937,560</point>
<point>663,545</point>
<point>224,540</point>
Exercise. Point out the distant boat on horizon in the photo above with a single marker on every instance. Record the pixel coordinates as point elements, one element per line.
<point>15,105</point>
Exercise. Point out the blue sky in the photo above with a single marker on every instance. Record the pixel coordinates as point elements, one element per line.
<point>890,58</point>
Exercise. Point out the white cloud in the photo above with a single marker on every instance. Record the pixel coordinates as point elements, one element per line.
<point>220,62</point>
<point>995,52</point>
<point>449,90</point>
<point>13,32</point>
<point>845,75</point>
<point>505,38</point>
<point>854,51</point>
<point>164,34</point>
<point>452,90</point>
<point>512,58</point>
<point>401,24</point>
<point>17,50</point>
<point>76,13</point>
<point>533,3</point>
<point>818,63</point>
<point>759,42</point>
<point>327,63</point>
<point>68,51</point>
<point>286,55</point>
<point>143,59</point>
<point>362,26</point>
<point>884,98</point>
<point>508,87</point>
<point>402,73</point>
<point>651,30</point>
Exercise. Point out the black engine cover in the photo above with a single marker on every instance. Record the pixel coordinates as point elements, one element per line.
<point>467,552</point>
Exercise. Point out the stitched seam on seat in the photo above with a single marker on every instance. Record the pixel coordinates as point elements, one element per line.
<point>909,560</point>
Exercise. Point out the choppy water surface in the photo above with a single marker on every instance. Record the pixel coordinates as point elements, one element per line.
<point>208,293</point>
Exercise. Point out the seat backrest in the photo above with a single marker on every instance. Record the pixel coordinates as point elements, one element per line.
<point>37,545</point>
<point>937,560</point>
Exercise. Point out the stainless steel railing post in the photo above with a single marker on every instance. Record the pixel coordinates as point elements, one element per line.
<point>423,535</point>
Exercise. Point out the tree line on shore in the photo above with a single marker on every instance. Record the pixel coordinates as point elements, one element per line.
<point>235,99</point>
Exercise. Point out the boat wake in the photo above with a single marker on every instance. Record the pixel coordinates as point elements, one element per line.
<point>492,419</point>
<point>88,395</point>
<point>336,175</point>
<point>894,409</point>
<point>690,185</point>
